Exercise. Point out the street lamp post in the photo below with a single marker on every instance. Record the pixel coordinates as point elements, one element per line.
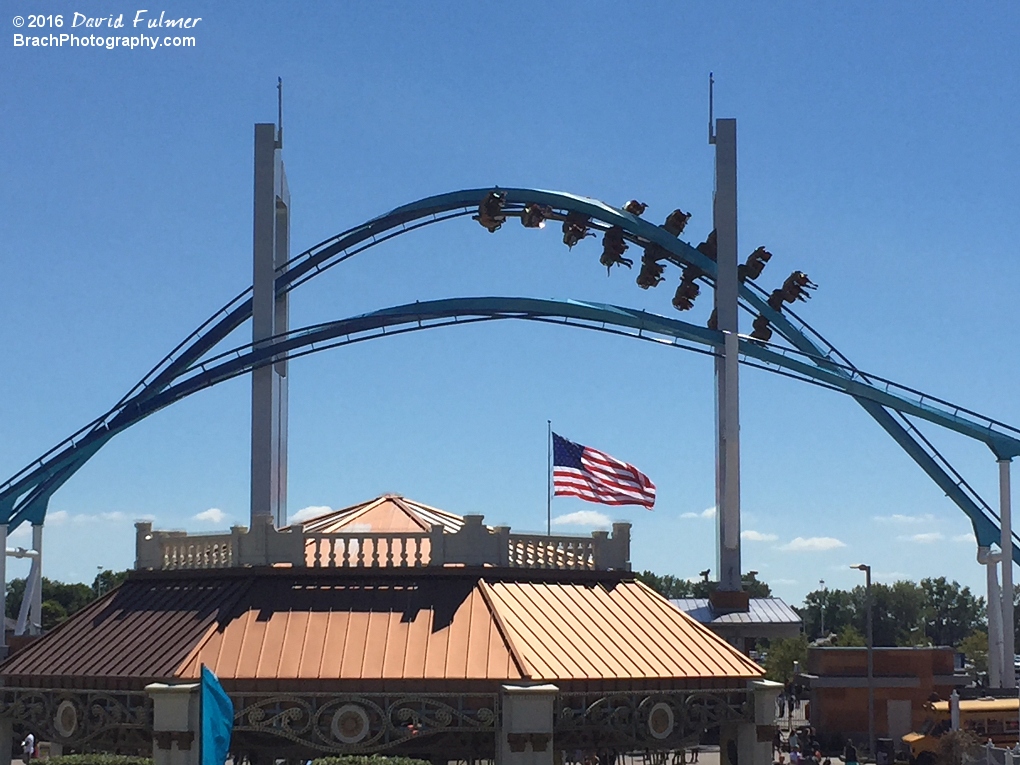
<point>821,609</point>
<point>871,664</point>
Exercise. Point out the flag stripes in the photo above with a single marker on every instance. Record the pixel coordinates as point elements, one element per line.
<point>594,476</point>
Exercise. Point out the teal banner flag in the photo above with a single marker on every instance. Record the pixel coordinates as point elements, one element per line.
<point>217,720</point>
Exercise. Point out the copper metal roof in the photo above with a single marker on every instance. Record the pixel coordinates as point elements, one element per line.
<point>615,632</point>
<point>143,630</point>
<point>438,629</point>
<point>385,514</point>
<point>271,627</point>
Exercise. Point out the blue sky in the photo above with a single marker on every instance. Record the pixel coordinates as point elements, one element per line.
<point>877,152</point>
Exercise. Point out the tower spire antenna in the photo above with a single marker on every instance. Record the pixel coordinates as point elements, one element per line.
<point>279,112</point>
<point>711,109</point>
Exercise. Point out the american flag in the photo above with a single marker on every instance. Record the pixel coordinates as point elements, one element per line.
<point>580,471</point>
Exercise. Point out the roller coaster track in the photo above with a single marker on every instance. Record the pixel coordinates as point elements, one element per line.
<point>189,367</point>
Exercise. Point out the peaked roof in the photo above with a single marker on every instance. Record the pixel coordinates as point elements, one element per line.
<point>267,627</point>
<point>388,513</point>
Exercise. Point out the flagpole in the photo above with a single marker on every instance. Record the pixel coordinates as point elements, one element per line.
<point>548,488</point>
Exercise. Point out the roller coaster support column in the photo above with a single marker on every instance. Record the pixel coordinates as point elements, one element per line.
<point>3,590</point>
<point>270,316</point>
<point>1008,639</point>
<point>726,371</point>
<point>995,653</point>
<point>35,610</point>
<point>30,614</point>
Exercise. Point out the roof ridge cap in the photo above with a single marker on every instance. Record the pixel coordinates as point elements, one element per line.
<point>404,504</point>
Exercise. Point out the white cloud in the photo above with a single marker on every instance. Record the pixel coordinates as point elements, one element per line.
<point>782,581</point>
<point>307,513</point>
<point>926,538</point>
<point>812,544</point>
<point>756,536</point>
<point>584,518</point>
<point>706,513</point>
<point>900,518</point>
<point>61,517</point>
<point>967,537</point>
<point>212,515</point>
<point>23,532</point>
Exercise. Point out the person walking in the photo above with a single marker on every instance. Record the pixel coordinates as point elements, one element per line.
<point>850,752</point>
<point>28,747</point>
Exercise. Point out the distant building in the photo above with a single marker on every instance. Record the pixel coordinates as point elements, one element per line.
<point>766,618</point>
<point>904,679</point>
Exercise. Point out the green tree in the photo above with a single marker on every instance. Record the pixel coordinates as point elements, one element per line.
<point>850,637</point>
<point>60,599</point>
<point>951,612</point>
<point>672,587</point>
<point>898,612</point>
<point>668,586</point>
<point>754,586</point>
<point>53,613</point>
<point>956,746</point>
<point>782,654</point>
<point>838,607</point>
<point>975,648</point>
<point>108,580</point>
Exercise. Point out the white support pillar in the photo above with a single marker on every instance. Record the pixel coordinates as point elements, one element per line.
<point>24,620</point>
<point>989,559</point>
<point>1006,522</point>
<point>35,612</point>
<point>270,316</point>
<point>726,366</point>
<point>3,599</point>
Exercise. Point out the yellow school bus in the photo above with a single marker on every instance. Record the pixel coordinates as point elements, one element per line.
<point>987,718</point>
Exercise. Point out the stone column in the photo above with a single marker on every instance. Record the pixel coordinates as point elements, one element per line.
<point>749,742</point>
<point>176,726</point>
<point>524,735</point>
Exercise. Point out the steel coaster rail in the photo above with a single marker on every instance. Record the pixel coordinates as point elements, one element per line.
<point>319,337</point>
<point>305,341</point>
<point>931,453</point>
<point>836,356</point>
<point>457,204</point>
<point>922,452</point>
<point>316,260</point>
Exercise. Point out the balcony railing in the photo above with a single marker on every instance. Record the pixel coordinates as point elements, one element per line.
<point>474,544</point>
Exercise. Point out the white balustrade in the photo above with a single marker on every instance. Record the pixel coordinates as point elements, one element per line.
<point>359,550</point>
<point>473,545</point>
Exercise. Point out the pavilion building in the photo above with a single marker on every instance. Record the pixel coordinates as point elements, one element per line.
<point>388,627</point>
